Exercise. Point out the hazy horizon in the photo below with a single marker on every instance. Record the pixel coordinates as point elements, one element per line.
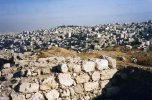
<point>20,15</point>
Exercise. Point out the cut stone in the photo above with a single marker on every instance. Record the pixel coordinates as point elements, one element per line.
<point>91,86</point>
<point>79,89</point>
<point>48,83</point>
<point>88,66</point>
<point>28,87</point>
<point>108,74</point>
<point>96,76</point>
<point>37,96</point>
<point>82,78</point>
<point>52,95</point>
<point>101,64</point>
<point>6,65</point>
<point>65,79</point>
<point>63,68</point>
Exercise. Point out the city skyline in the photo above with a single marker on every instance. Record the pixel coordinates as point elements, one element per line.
<point>20,15</point>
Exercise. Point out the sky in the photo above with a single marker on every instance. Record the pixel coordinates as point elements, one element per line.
<point>27,15</point>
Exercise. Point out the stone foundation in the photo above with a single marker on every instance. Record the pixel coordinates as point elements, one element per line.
<point>56,78</point>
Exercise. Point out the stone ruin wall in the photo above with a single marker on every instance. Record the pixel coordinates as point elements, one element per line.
<point>56,78</point>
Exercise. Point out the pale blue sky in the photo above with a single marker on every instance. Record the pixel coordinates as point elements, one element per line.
<point>19,15</point>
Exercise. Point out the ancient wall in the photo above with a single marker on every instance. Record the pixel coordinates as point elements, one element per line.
<point>56,78</point>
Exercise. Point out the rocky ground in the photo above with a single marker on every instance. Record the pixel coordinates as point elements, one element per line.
<point>30,76</point>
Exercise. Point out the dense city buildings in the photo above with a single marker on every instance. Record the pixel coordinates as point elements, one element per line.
<point>81,38</point>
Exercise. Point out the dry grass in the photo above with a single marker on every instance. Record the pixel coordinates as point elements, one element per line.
<point>54,51</point>
<point>120,49</point>
<point>87,55</point>
<point>143,58</point>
